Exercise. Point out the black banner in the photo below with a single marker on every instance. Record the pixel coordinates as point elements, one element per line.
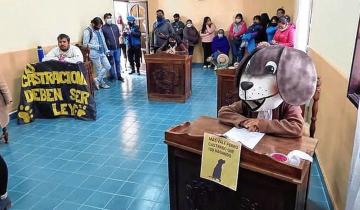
<point>52,89</point>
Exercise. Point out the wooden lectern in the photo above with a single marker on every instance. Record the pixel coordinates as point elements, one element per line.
<point>263,183</point>
<point>227,93</point>
<point>168,77</point>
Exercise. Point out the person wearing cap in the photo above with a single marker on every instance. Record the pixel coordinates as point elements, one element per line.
<point>178,26</point>
<point>285,33</point>
<point>133,41</point>
<point>112,38</point>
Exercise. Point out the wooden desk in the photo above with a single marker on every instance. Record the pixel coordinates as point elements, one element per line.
<point>263,184</point>
<point>227,93</point>
<point>168,77</point>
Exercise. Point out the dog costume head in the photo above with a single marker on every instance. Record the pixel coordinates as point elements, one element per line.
<point>271,75</point>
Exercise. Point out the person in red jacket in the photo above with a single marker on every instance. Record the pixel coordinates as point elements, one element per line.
<point>285,34</point>
<point>237,29</point>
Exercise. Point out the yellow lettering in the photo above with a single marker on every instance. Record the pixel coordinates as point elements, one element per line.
<point>63,109</point>
<point>29,96</point>
<point>55,111</point>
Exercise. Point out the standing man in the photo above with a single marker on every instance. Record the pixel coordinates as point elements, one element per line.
<point>162,29</point>
<point>133,37</point>
<point>95,41</point>
<point>65,51</point>
<point>112,38</point>
<point>178,26</point>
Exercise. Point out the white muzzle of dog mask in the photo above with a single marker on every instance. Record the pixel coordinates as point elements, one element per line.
<point>260,92</point>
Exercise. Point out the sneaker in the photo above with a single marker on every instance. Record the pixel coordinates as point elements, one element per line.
<point>104,86</point>
<point>204,67</point>
<point>121,79</point>
<point>96,83</point>
<point>209,66</point>
<point>132,72</point>
<point>5,203</point>
<point>138,72</point>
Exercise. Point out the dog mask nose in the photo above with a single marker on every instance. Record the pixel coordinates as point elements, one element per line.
<point>246,85</point>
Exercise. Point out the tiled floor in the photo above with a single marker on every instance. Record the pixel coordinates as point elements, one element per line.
<point>118,161</point>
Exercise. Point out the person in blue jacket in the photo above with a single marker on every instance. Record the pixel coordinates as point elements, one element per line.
<point>252,34</point>
<point>220,43</point>
<point>133,41</point>
<point>271,28</point>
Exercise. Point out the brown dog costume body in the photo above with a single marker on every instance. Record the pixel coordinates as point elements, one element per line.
<point>273,82</point>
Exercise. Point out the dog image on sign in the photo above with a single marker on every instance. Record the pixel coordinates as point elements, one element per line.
<point>220,160</point>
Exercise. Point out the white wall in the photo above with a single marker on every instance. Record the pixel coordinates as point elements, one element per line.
<point>28,23</point>
<point>333,31</point>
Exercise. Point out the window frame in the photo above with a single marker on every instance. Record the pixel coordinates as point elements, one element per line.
<point>353,92</point>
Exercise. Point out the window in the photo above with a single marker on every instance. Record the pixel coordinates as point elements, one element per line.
<point>354,81</point>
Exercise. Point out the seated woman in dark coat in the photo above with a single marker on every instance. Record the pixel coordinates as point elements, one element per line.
<point>173,46</point>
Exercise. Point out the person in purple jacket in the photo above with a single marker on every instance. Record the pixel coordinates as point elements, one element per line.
<point>220,43</point>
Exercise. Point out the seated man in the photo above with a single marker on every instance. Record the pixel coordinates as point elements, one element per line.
<point>65,51</point>
<point>173,46</point>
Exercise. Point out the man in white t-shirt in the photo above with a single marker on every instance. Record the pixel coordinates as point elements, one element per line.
<point>64,51</point>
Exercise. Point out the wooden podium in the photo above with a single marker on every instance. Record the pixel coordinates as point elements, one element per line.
<point>263,183</point>
<point>168,77</point>
<point>227,93</point>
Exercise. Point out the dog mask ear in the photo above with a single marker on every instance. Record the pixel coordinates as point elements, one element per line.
<point>296,77</point>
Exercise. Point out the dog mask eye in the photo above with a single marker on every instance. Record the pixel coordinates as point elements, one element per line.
<point>270,67</point>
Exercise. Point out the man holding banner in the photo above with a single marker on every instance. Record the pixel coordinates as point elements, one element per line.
<point>64,52</point>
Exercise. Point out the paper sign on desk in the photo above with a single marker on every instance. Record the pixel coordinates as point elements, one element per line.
<point>220,160</point>
<point>245,137</point>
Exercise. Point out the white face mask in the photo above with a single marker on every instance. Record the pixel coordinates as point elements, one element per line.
<point>237,20</point>
<point>220,35</point>
<point>108,21</point>
<point>189,25</point>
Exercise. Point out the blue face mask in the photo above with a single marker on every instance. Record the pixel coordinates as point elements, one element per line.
<point>159,18</point>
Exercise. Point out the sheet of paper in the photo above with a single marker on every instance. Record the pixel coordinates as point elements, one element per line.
<point>245,137</point>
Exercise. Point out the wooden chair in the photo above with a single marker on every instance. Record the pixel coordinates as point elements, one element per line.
<point>312,111</point>
<point>88,66</point>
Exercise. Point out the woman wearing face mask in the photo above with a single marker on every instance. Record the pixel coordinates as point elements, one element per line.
<point>271,28</point>
<point>191,36</point>
<point>237,29</point>
<point>284,35</point>
<point>207,34</point>
<point>220,43</point>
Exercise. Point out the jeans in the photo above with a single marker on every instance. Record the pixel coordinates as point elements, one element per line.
<point>114,59</point>
<point>236,51</point>
<point>102,65</point>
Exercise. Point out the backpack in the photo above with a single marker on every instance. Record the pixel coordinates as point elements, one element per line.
<point>90,32</point>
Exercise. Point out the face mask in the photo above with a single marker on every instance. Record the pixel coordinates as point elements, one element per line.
<point>159,18</point>
<point>108,21</point>
<point>237,20</point>
<point>172,44</point>
<point>189,25</point>
<point>130,23</point>
<point>97,28</point>
<point>176,20</point>
<point>220,35</point>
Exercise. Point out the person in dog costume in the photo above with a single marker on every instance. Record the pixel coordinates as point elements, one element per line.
<point>273,82</point>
